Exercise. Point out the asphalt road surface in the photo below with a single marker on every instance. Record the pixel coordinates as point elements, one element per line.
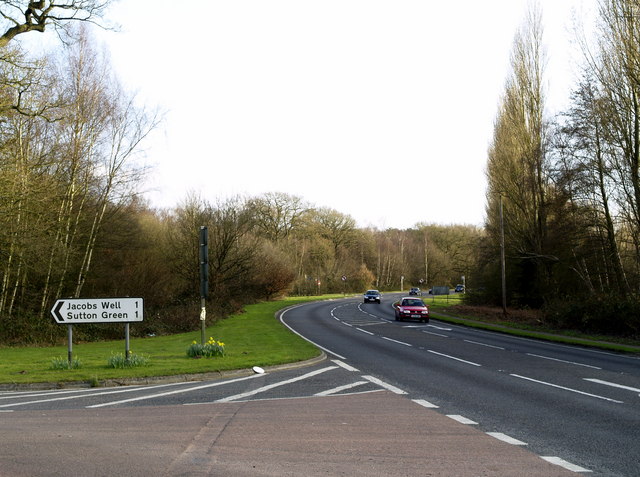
<point>579,405</point>
<point>391,399</point>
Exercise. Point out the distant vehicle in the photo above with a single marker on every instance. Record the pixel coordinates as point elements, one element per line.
<point>459,288</point>
<point>415,291</point>
<point>410,308</point>
<point>372,296</point>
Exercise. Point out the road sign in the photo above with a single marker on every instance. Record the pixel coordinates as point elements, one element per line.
<point>97,310</point>
<point>439,290</point>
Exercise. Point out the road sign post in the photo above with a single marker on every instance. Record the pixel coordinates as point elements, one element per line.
<point>204,280</point>
<point>126,342</point>
<point>70,347</point>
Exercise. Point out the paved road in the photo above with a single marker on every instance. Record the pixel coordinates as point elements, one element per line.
<point>391,399</point>
<point>580,405</point>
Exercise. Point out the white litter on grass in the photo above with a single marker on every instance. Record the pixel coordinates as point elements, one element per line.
<point>258,370</point>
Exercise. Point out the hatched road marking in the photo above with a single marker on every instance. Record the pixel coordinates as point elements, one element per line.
<point>275,385</point>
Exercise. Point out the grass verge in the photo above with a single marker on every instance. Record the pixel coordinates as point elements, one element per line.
<point>443,308</point>
<point>251,338</point>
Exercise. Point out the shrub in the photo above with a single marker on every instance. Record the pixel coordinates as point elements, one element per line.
<point>609,315</point>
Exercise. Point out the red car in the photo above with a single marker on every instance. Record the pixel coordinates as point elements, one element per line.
<point>413,309</point>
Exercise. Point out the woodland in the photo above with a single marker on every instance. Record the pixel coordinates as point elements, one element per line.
<point>561,234</point>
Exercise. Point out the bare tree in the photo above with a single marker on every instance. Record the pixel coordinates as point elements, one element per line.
<point>277,214</point>
<point>98,135</point>
<point>19,17</point>
<point>585,171</point>
<point>616,66</point>
<point>27,146</point>
<point>335,227</point>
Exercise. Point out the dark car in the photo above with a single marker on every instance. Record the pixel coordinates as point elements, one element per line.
<point>459,288</point>
<point>372,296</point>
<point>410,308</point>
<point>415,291</point>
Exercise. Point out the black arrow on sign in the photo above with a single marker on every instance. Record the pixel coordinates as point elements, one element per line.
<point>56,311</point>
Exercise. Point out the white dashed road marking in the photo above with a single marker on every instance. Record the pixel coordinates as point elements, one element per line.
<point>453,357</point>
<point>565,464</point>
<point>396,341</point>
<point>424,403</point>
<point>484,344</point>
<point>613,385</point>
<point>461,419</point>
<point>506,438</point>
<point>562,361</point>
<point>567,389</point>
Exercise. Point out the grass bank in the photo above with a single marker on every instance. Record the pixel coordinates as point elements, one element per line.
<point>251,338</point>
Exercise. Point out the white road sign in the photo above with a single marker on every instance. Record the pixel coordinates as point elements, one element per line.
<point>97,310</point>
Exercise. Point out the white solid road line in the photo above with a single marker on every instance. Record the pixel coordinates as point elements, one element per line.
<point>341,388</point>
<point>565,464</point>
<point>304,337</point>
<point>345,365</point>
<point>566,389</point>
<point>389,387</point>
<point>78,396</point>
<point>54,392</point>
<point>178,391</point>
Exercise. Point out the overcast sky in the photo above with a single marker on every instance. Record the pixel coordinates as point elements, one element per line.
<point>380,109</point>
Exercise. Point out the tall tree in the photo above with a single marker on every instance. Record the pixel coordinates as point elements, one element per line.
<point>517,169</point>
